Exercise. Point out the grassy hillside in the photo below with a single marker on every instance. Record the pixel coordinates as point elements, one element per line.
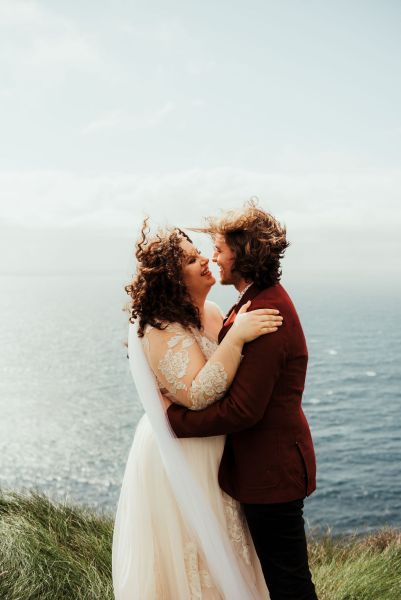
<point>51,551</point>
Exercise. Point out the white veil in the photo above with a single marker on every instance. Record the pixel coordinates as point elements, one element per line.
<point>226,569</point>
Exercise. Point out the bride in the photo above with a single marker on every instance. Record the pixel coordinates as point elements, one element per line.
<point>177,535</point>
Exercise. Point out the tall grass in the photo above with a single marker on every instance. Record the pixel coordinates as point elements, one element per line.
<point>52,551</point>
<point>357,568</point>
<point>55,551</point>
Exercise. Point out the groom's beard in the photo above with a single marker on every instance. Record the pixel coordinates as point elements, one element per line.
<point>230,279</point>
<point>226,279</point>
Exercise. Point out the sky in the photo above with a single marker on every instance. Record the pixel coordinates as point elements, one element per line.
<point>110,111</point>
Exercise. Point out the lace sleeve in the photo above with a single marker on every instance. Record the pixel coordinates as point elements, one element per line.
<point>181,368</point>
<point>208,386</point>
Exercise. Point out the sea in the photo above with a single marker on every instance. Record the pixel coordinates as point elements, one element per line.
<point>68,405</point>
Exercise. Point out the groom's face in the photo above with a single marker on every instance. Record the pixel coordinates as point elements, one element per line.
<point>223,256</point>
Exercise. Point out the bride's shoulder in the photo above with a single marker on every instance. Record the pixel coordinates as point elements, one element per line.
<point>166,330</point>
<point>213,310</point>
<point>213,307</point>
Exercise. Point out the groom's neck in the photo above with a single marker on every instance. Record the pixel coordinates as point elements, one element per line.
<point>241,285</point>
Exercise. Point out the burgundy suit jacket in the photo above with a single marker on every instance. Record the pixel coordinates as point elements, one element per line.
<point>268,455</point>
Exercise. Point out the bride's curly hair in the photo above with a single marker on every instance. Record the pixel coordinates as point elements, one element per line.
<point>159,294</point>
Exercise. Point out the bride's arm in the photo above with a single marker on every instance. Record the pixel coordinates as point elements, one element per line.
<point>181,368</point>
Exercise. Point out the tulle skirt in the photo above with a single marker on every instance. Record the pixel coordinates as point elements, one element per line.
<point>155,557</point>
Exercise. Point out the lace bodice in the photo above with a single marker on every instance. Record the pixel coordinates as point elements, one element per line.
<point>182,360</point>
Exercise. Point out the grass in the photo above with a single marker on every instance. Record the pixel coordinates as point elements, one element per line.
<point>357,568</point>
<point>54,551</point>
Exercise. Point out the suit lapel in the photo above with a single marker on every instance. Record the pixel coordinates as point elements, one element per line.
<point>229,320</point>
<point>229,313</point>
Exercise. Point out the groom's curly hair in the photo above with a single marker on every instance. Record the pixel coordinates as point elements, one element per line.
<point>158,292</point>
<point>257,239</point>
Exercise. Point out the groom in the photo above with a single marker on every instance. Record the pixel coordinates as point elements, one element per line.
<point>268,462</point>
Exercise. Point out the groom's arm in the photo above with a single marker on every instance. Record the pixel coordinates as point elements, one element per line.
<point>247,399</point>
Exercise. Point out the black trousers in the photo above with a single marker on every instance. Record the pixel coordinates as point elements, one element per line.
<point>278,533</point>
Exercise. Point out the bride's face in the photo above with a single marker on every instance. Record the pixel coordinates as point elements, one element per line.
<point>196,274</point>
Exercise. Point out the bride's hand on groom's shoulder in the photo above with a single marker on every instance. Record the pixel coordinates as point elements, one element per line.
<point>250,325</point>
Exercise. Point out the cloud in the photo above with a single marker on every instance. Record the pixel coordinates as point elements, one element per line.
<point>341,227</point>
<point>34,38</point>
<point>305,202</point>
<point>121,120</point>
<point>165,32</point>
<point>198,66</point>
<point>19,12</point>
<point>68,50</point>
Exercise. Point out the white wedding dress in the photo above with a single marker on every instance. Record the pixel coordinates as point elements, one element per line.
<point>156,554</point>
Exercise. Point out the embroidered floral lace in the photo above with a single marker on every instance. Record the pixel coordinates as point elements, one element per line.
<point>178,360</point>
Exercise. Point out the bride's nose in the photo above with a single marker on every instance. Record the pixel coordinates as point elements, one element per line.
<point>204,261</point>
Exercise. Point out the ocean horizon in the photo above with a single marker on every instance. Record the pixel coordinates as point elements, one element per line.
<point>69,406</point>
